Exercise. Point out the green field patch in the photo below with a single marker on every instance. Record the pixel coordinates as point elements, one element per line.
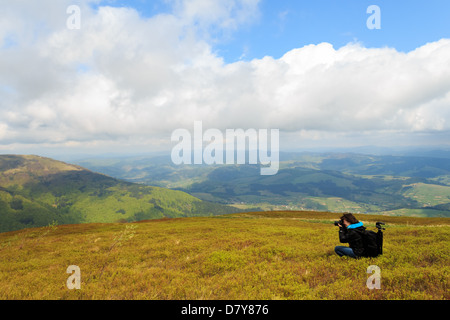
<point>428,194</point>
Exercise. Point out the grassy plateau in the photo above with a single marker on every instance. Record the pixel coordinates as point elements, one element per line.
<point>260,255</point>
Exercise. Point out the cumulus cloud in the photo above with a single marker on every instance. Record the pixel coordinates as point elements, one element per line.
<point>124,76</point>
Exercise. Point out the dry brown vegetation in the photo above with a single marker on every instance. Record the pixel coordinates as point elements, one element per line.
<point>261,255</point>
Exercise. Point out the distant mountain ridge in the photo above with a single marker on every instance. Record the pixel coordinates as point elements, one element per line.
<point>37,191</point>
<point>27,168</point>
<point>338,182</point>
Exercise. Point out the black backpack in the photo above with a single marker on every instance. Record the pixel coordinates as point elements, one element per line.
<point>370,240</point>
<point>373,243</point>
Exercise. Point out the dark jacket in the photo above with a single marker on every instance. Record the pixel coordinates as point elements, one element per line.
<point>352,235</point>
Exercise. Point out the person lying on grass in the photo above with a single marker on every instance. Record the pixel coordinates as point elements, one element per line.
<point>349,228</point>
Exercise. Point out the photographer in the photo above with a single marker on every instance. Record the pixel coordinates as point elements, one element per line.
<point>350,232</point>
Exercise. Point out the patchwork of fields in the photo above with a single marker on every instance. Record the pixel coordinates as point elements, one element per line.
<point>358,183</point>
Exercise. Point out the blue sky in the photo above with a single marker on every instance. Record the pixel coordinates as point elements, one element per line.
<point>283,25</point>
<point>126,79</point>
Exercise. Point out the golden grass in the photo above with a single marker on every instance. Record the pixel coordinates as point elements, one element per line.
<point>277,255</point>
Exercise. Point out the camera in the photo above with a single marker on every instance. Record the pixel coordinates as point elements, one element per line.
<point>379,225</point>
<point>340,222</point>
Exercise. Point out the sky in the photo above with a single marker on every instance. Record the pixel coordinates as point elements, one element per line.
<point>121,76</point>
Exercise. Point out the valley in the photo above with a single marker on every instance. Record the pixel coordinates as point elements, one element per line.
<point>37,191</point>
<point>338,182</point>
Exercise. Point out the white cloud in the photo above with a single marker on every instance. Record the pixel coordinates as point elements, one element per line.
<point>141,78</point>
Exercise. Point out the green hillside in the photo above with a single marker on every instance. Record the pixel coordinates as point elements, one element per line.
<point>397,185</point>
<point>304,188</point>
<point>256,256</point>
<point>36,191</point>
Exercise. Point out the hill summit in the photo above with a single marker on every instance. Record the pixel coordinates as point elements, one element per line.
<point>37,191</point>
<point>18,170</point>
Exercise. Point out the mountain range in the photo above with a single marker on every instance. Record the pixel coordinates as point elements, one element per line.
<point>339,182</point>
<point>37,191</point>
